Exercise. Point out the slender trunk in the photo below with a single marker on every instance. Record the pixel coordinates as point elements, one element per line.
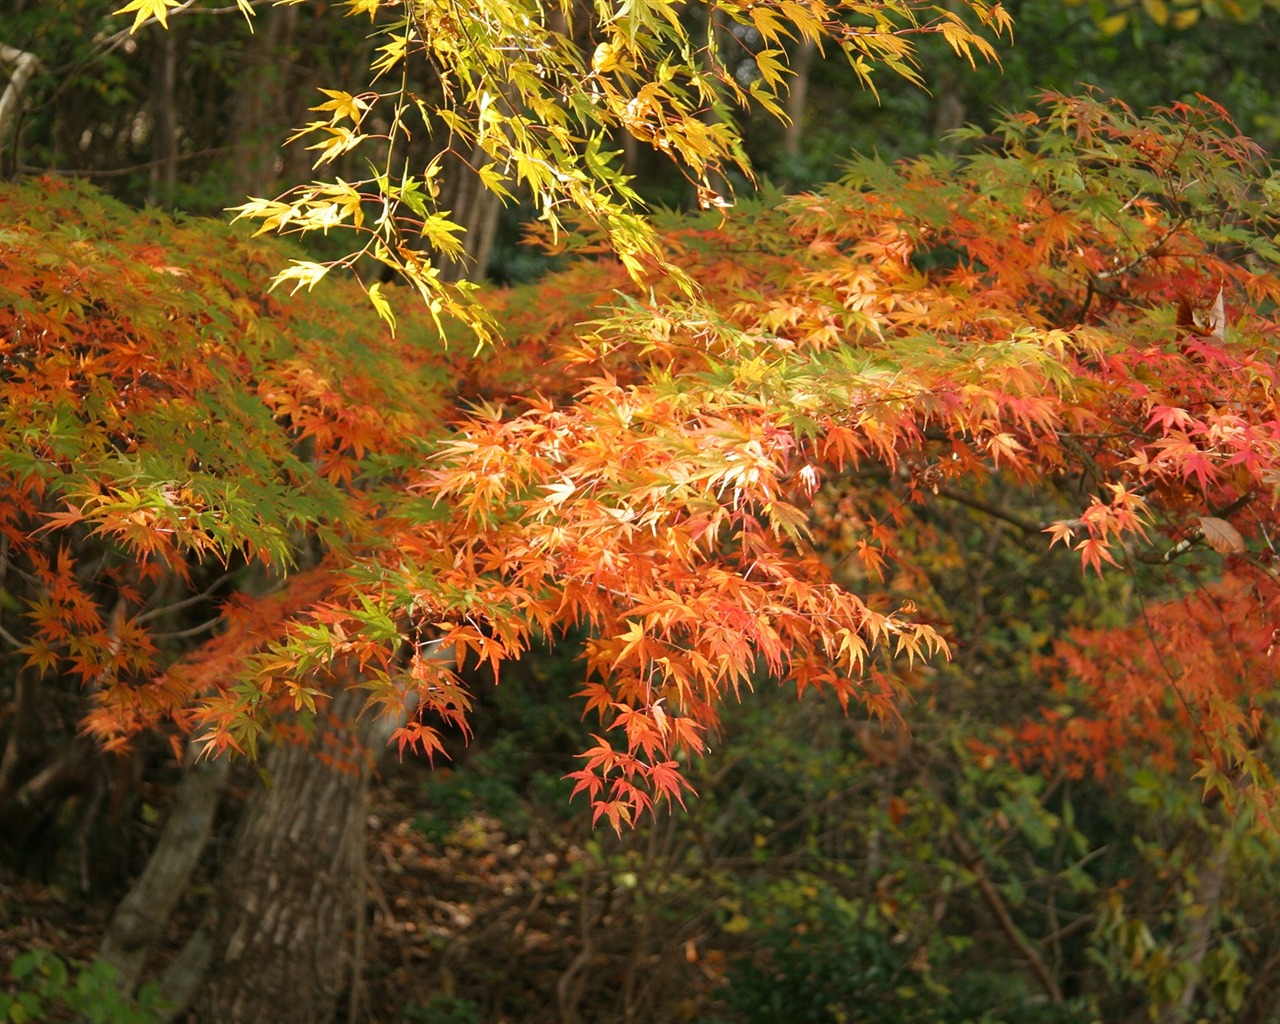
<point>20,67</point>
<point>991,895</point>
<point>260,113</point>
<point>798,98</point>
<point>23,744</point>
<point>949,113</point>
<point>140,919</point>
<point>571,984</point>
<point>1208,904</point>
<point>475,208</point>
<point>25,808</point>
<point>714,179</point>
<point>630,155</point>
<point>164,118</point>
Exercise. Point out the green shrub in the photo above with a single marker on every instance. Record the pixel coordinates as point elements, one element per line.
<point>444,1010</point>
<point>49,990</point>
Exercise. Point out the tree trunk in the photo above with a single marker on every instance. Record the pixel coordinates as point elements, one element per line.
<point>140,919</point>
<point>949,113</point>
<point>260,104</point>
<point>291,886</point>
<point>20,67</point>
<point>164,119</point>
<point>476,209</point>
<point>798,99</point>
<point>22,748</point>
<point>1208,902</point>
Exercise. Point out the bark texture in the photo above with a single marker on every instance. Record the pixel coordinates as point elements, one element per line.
<point>164,115</point>
<point>1208,901</point>
<point>291,886</point>
<point>476,209</point>
<point>798,97</point>
<point>261,103</point>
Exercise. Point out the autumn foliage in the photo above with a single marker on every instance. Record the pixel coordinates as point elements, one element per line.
<point>1079,323</point>
<point>175,439</point>
<point>1070,330</point>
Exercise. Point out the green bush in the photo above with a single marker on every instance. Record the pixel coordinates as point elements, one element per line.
<point>822,958</point>
<point>444,1010</point>
<point>816,956</point>
<point>49,990</point>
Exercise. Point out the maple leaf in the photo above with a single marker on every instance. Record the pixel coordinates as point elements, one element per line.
<point>1222,536</point>
<point>144,10</point>
<point>1093,552</point>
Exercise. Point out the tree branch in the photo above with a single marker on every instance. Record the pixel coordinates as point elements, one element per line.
<point>1013,519</point>
<point>24,66</point>
<point>142,915</point>
<point>991,895</point>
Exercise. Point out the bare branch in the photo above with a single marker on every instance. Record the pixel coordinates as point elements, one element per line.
<point>960,498</point>
<point>973,860</point>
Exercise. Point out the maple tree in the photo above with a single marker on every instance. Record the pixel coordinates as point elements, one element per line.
<point>928,329</point>
<point>145,500</point>
<point>185,458</point>
<point>167,428</point>
<point>934,328</point>
<point>900,338</point>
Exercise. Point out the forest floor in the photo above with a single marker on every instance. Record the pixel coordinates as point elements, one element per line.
<point>465,923</point>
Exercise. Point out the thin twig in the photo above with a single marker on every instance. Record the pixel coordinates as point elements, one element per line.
<point>118,172</point>
<point>186,602</point>
<point>1012,518</point>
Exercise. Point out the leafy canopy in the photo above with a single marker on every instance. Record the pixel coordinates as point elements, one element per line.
<point>1074,333</point>
<point>1080,318</point>
<point>169,434</point>
<point>1082,321</point>
<point>540,94</point>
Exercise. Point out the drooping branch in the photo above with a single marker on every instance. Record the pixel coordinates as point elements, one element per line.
<point>960,498</point>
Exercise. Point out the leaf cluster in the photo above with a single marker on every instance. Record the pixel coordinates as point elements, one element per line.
<point>1028,316</point>
<point>535,99</point>
<point>168,431</point>
<point>1083,317</point>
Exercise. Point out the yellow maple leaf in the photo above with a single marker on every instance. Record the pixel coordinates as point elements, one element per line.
<point>146,9</point>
